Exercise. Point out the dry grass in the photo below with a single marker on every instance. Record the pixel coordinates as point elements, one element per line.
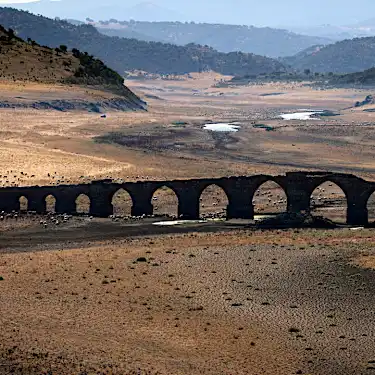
<point>20,61</point>
<point>47,147</point>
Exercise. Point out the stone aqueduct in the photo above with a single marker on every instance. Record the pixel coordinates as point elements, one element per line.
<point>298,187</point>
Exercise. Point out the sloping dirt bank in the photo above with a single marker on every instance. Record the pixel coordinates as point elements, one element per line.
<point>118,104</point>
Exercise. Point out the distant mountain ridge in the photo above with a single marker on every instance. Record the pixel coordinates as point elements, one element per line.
<point>130,54</point>
<point>334,33</point>
<point>145,11</point>
<point>148,11</point>
<point>347,56</point>
<point>225,38</point>
<point>361,29</point>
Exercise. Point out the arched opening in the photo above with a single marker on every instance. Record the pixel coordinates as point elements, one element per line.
<point>371,208</point>
<point>50,204</point>
<point>83,204</point>
<point>24,203</point>
<point>165,202</point>
<point>270,199</point>
<point>213,203</point>
<point>122,203</point>
<point>328,200</point>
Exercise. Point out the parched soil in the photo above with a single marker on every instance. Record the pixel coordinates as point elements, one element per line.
<point>89,296</point>
<point>243,302</point>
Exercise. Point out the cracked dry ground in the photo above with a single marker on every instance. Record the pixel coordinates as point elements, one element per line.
<point>239,302</point>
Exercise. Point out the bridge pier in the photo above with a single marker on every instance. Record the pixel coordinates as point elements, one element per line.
<point>240,211</point>
<point>357,212</point>
<point>188,211</point>
<point>298,201</point>
<point>100,201</point>
<point>357,215</point>
<point>9,202</point>
<point>141,194</point>
<point>101,208</point>
<point>66,203</point>
<point>240,195</point>
<point>36,203</point>
<point>188,204</point>
<point>141,208</point>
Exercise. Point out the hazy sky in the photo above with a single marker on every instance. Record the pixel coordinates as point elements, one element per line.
<point>250,12</point>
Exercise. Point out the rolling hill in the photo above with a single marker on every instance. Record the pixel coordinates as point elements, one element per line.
<point>22,61</point>
<point>347,56</point>
<point>130,54</point>
<point>225,38</point>
<point>365,78</point>
<point>109,29</point>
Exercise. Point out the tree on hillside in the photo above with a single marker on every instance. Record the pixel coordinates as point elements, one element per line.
<point>11,34</point>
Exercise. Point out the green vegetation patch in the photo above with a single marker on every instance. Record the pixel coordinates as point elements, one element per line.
<point>179,123</point>
<point>264,126</point>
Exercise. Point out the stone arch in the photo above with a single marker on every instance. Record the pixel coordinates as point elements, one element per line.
<point>165,202</point>
<point>122,202</point>
<point>24,203</point>
<point>50,203</point>
<point>270,198</point>
<point>213,202</point>
<point>328,199</point>
<point>83,203</point>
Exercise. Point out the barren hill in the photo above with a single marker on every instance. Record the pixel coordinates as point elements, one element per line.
<point>30,62</point>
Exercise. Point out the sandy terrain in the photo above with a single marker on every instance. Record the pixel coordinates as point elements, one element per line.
<point>76,298</point>
<point>237,302</point>
<point>293,145</point>
<point>49,147</point>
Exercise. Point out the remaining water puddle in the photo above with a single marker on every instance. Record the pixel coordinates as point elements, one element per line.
<point>304,116</point>
<point>178,222</point>
<point>219,220</point>
<point>223,127</point>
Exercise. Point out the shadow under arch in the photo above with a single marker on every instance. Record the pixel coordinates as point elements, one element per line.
<point>122,202</point>
<point>329,200</point>
<point>165,202</point>
<point>213,202</point>
<point>270,198</point>
<point>50,203</point>
<point>23,203</point>
<point>83,203</point>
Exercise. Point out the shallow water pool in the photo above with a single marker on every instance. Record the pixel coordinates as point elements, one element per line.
<point>223,127</point>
